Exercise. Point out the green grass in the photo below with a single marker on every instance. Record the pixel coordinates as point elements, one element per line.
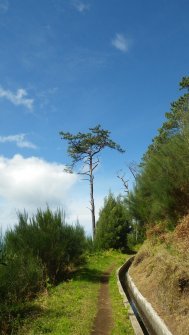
<point>70,307</point>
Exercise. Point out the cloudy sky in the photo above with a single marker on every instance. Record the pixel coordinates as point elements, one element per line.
<point>70,65</point>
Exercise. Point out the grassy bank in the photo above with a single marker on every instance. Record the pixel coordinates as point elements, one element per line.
<point>70,307</point>
<point>161,272</point>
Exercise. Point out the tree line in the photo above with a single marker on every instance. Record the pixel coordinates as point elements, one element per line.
<point>161,190</point>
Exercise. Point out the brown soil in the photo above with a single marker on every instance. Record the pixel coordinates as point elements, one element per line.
<point>103,322</point>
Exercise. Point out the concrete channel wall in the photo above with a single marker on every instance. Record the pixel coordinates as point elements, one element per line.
<point>120,275</point>
<point>154,324</point>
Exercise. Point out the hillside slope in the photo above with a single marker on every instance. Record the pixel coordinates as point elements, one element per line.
<point>161,272</point>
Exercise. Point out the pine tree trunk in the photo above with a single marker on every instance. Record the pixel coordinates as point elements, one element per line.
<point>92,198</point>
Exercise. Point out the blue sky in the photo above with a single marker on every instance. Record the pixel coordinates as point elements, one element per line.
<point>70,65</point>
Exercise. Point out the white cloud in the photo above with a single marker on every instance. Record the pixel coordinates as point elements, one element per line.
<point>31,183</point>
<point>121,43</point>
<point>19,139</point>
<point>81,6</point>
<point>4,6</point>
<point>19,98</point>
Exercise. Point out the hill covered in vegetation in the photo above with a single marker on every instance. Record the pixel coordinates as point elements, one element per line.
<point>161,191</point>
<point>159,203</point>
<point>161,272</point>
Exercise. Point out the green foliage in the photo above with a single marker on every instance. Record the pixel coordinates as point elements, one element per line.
<point>39,252</point>
<point>161,191</point>
<point>83,145</point>
<point>137,235</point>
<point>2,251</point>
<point>48,238</point>
<point>184,83</point>
<point>90,248</point>
<point>177,122</point>
<point>21,279</point>
<point>113,224</point>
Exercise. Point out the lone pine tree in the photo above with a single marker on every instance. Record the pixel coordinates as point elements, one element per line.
<point>84,148</point>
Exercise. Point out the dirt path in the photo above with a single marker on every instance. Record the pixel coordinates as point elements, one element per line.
<point>103,322</point>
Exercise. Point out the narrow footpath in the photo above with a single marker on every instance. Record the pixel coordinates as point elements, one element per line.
<point>103,322</point>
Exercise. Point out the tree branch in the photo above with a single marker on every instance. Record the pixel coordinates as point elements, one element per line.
<point>125,182</point>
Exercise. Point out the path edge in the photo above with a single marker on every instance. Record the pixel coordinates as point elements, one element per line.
<point>134,322</point>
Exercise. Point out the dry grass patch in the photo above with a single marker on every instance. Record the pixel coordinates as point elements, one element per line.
<point>181,236</point>
<point>161,272</point>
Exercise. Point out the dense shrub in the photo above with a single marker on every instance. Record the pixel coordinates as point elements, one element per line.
<point>48,238</point>
<point>21,278</point>
<point>39,251</point>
